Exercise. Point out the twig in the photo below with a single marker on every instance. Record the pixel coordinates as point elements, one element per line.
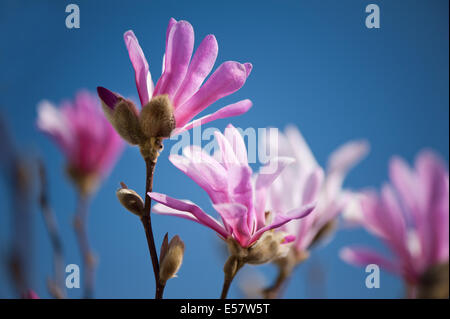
<point>147,223</point>
<point>56,286</point>
<point>89,262</point>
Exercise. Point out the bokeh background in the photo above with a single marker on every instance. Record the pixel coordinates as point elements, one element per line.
<point>316,66</point>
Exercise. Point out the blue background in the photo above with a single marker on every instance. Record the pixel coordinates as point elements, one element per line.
<point>316,65</point>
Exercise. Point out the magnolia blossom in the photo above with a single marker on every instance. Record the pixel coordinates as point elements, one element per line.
<point>182,77</point>
<point>236,196</point>
<point>304,182</point>
<point>411,216</point>
<point>79,128</point>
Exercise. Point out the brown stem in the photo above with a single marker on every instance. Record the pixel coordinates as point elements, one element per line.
<point>88,258</point>
<point>275,290</point>
<point>56,286</point>
<point>231,268</point>
<point>147,223</point>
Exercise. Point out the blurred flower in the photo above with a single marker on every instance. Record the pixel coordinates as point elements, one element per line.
<point>88,141</point>
<point>411,215</point>
<point>228,182</point>
<point>179,94</point>
<point>304,182</point>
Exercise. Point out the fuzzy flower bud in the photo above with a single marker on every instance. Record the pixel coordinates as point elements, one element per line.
<point>266,249</point>
<point>126,122</point>
<point>157,117</point>
<point>171,258</point>
<point>130,200</point>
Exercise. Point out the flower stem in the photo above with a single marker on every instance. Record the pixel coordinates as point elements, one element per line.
<point>147,223</point>
<point>88,258</point>
<point>56,286</point>
<point>231,268</point>
<point>275,290</point>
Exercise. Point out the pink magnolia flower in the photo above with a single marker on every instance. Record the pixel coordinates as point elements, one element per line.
<point>236,196</point>
<point>182,77</point>
<point>79,128</point>
<point>304,182</point>
<point>411,216</point>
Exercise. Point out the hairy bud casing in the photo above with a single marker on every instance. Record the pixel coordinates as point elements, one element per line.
<point>125,119</point>
<point>171,259</point>
<point>157,117</point>
<point>131,200</point>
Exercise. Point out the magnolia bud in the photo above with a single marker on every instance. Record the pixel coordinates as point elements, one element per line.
<point>130,200</point>
<point>264,250</point>
<point>157,118</point>
<point>125,120</point>
<point>171,258</point>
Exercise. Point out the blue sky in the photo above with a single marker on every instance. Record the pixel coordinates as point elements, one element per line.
<point>316,66</point>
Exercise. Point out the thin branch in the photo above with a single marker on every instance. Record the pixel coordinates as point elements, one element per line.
<point>147,223</point>
<point>56,286</point>
<point>88,257</point>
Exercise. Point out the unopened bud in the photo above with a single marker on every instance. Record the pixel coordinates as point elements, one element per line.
<point>157,118</point>
<point>125,119</point>
<point>130,200</point>
<point>171,259</point>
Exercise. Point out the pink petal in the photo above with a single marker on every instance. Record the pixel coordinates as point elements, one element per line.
<point>180,44</point>
<point>196,211</point>
<point>281,219</point>
<point>237,143</point>
<point>235,216</point>
<point>228,111</point>
<point>359,256</point>
<point>340,163</point>
<point>312,186</point>
<point>264,179</point>
<point>227,79</point>
<point>199,68</point>
<point>434,180</point>
<point>241,190</point>
<point>206,172</point>
<point>144,83</point>
<point>347,156</point>
<point>52,122</point>
<point>299,146</point>
<point>288,239</point>
<point>228,156</point>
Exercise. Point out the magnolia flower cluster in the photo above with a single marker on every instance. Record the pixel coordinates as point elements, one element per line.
<point>305,182</point>
<point>275,215</point>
